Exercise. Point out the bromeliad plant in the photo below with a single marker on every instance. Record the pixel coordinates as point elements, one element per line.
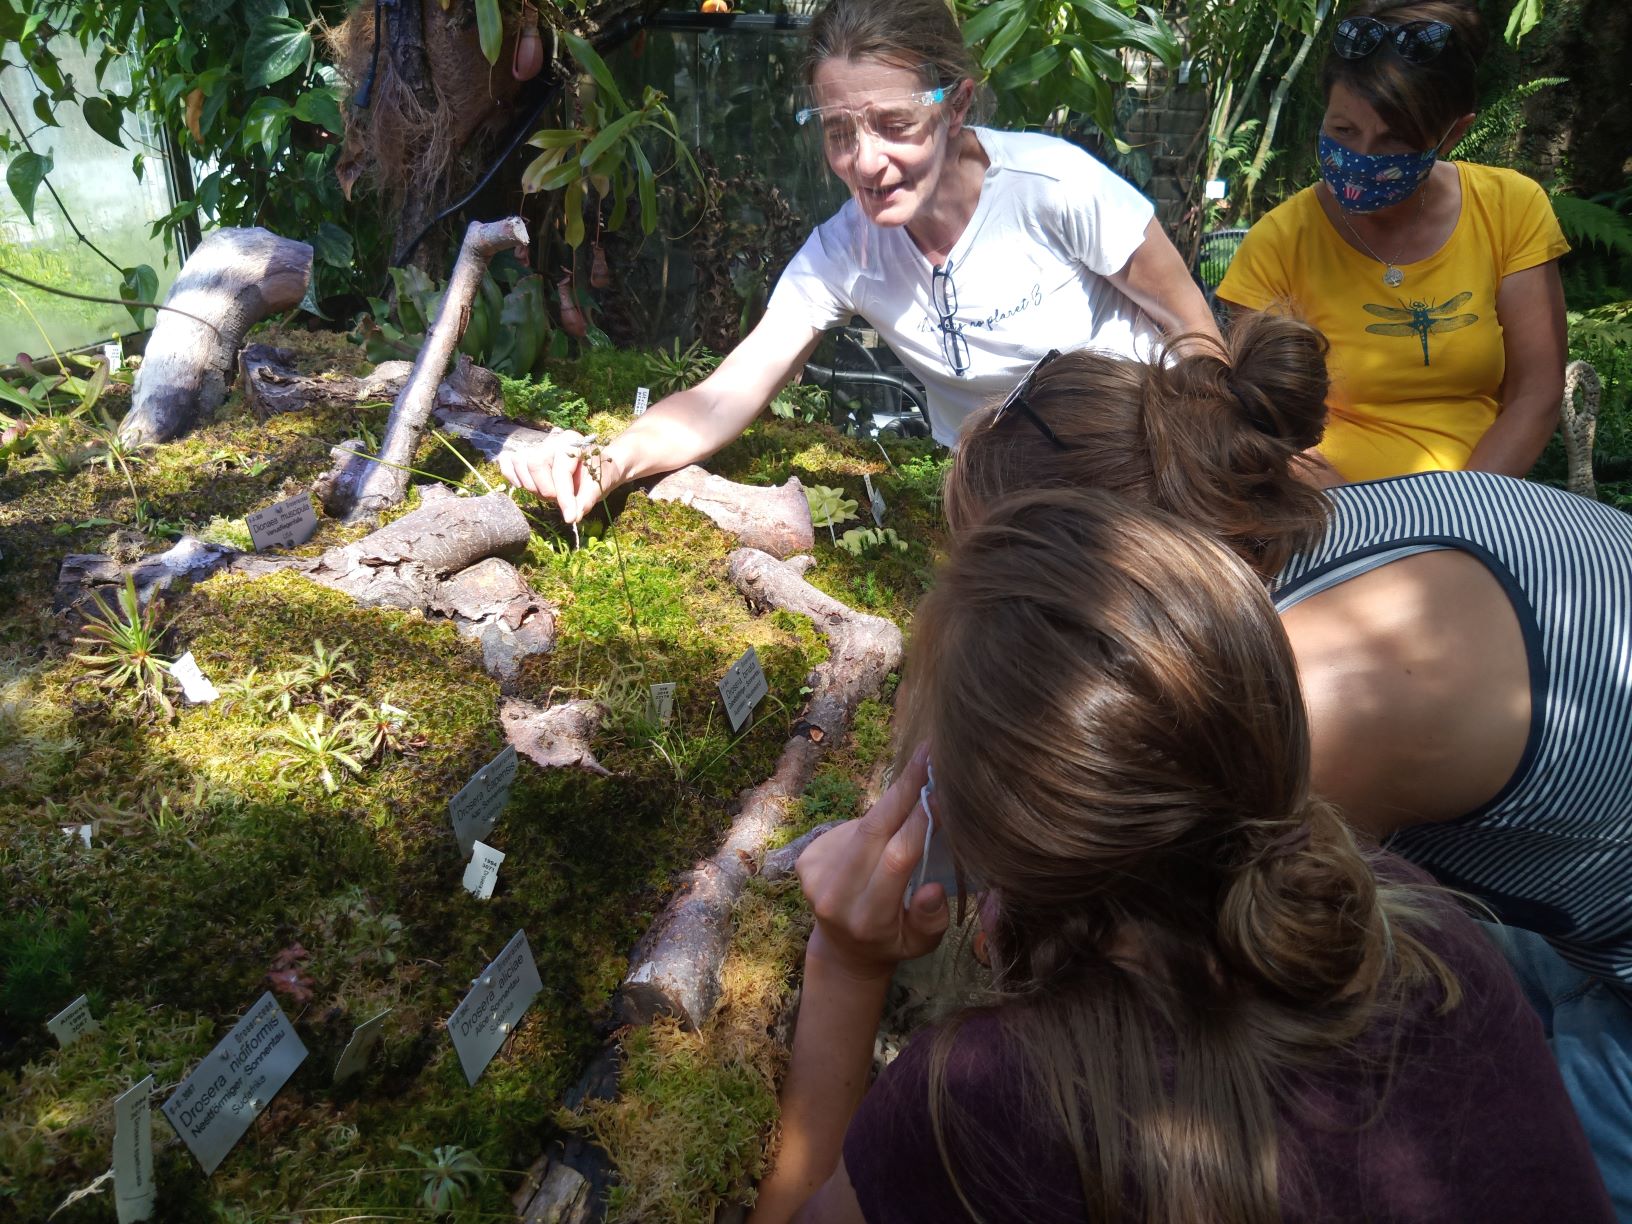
<point>121,646</point>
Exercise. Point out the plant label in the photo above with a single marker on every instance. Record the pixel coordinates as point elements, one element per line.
<point>227,1091</point>
<point>82,832</point>
<point>482,872</point>
<point>194,685</point>
<point>1215,189</point>
<point>497,1000</point>
<point>476,808</point>
<point>363,1040</point>
<point>660,703</point>
<point>643,399</point>
<point>72,1022</point>
<point>113,353</point>
<point>875,501</point>
<point>743,688</point>
<point>284,524</point>
<point>133,1154</point>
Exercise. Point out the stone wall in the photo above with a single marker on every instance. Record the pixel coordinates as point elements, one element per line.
<point>1167,123</point>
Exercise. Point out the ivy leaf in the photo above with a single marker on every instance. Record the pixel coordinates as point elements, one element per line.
<point>42,110</point>
<point>141,284</point>
<point>320,106</point>
<point>489,29</point>
<point>266,122</point>
<point>277,46</point>
<point>24,175</point>
<point>102,117</point>
<point>333,245</point>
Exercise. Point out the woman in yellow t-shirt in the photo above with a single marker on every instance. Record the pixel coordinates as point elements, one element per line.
<point>1435,281</point>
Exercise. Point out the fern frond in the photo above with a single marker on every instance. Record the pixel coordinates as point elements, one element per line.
<point>1583,222</point>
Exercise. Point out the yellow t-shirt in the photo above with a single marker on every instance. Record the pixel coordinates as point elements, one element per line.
<point>1416,369</point>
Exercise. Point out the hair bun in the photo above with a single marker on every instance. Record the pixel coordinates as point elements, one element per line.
<point>1278,376</point>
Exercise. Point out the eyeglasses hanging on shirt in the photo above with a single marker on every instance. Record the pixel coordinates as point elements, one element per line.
<point>944,294</point>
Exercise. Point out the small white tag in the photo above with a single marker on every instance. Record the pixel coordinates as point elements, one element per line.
<point>285,524</point>
<point>875,500</point>
<point>363,1040</point>
<point>114,354</point>
<point>643,399</point>
<point>194,686</point>
<point>83,832</point>
<point>660,703</point>
<point>497,1000</point>
<point>743,688</point>
<point>226,1092</point>
<point>475,809</point>
<point>133,1154</point>
<point>482,872</point>
<point>72,1022</point>
<point>1215,189</point>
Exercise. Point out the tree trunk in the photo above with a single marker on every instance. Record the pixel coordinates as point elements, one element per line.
<point>235,278</point>
<point>776,520</point>
<point>675,968</point>
<point>362,487</point>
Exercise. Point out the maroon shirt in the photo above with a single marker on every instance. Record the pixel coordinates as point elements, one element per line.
<point>1475,1126</point>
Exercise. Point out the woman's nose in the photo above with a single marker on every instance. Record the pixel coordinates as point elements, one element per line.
<point>870,157</point>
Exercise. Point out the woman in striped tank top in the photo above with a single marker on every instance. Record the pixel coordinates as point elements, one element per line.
<point>1464,642</point>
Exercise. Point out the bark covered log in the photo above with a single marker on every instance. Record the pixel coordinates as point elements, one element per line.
<point>778,864</point>
<point>556,737</point>
<point>273,385</point>
<point>775,520</point>
<point>676,967</point>
<point>362,487</point>
<point>235,278</point>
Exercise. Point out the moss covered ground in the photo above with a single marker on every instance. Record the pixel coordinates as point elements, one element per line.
<point>220,854</point>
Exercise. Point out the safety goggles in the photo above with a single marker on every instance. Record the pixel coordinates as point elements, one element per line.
<point>1017,401</point>
<point>1416,42</point>
<point>890,121</point>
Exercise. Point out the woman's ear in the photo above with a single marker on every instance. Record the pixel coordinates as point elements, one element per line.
<point>963,96</point>
<point>1453,138</point>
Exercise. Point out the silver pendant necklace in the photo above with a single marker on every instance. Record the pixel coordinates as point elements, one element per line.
<point>1392,276</point>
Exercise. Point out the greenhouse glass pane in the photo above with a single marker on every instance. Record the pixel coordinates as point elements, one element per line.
<point>112,206</point>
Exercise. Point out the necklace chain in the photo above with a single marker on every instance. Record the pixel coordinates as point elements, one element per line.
<point>1392,276</point>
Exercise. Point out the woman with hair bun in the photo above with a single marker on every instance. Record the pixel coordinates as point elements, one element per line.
<point>971,251</point>
<point>1210,1003</point>
<point>1464,641</point>
<point>1436,281</point>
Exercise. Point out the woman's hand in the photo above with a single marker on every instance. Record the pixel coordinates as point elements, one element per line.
<point>855,875</point>
<point>567,469</point>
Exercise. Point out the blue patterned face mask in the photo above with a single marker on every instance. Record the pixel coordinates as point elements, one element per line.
<point>1365,182</point>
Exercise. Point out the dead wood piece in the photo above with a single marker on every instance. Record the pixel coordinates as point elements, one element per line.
<point>272,385</point>
<point>557,737</point>
<point>385,483</point>
<point>491,603</point>
<point>778,864</point>
<point>775,519</point>
<point>491,435</point>
<point>235,278</point>
<point>675,968</point>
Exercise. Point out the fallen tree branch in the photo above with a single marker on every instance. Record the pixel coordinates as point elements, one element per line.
<point>273,385</point>
<point>775,520</point>
<point>235,278</point>
<point>675,968</point>
<point>361,488</point>
<point>778,864</point>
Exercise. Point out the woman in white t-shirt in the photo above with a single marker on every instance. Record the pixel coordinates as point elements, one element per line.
<point>973,252</point>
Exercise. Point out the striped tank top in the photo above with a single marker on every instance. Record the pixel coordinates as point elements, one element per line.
<point>1552,852</point>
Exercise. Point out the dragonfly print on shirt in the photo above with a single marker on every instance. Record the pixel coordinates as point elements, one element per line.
<point>1421,320</point>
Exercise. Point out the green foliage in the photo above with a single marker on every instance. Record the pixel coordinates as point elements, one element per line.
<point>606,153</point>
<point>541,399</point>
<point>828,506</point>
<point>317,747</point>
<point>830,796</point>
<point>508,331</point>
<point>1040,56</point>
<point>1586,221</point>
<point>40,954</point>
<point>667,371</point>
<point>859,541</point>
<point>802,402</point>
<point>1500,123</point>
<point>125,645</point>
<point>450,1173</point>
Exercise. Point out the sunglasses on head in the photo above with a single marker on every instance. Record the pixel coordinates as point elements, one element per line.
<point>1416,42</point>
<point>1017,402</point>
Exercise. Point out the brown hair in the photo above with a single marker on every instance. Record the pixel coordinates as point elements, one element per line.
<point>1419,102</point>
<point>1203,433</point>
<point>915,34</point>
<point>1121,754</point>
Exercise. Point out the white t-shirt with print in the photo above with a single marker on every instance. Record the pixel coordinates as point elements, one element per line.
<point>1052,222</point>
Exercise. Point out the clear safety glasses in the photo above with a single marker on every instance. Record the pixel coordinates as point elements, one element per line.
<point>906,120</point>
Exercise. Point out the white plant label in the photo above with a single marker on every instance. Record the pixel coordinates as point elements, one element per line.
<point>1215,189</point>
<point>497,1000</point>
<point>743,688</point>
<point>361,1046</point>
<point>82,832</point>
<point>875,500</point>
<point>643,400</point>
<point>133,1154</point>
<point>72,1022</point>
<point>113,353</point>
<point>660,703</point>
<point>475,809</point>
<point>482,872</point>
<point>284,524</point>
<point>195,686</point>
<point>227,1091</point>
